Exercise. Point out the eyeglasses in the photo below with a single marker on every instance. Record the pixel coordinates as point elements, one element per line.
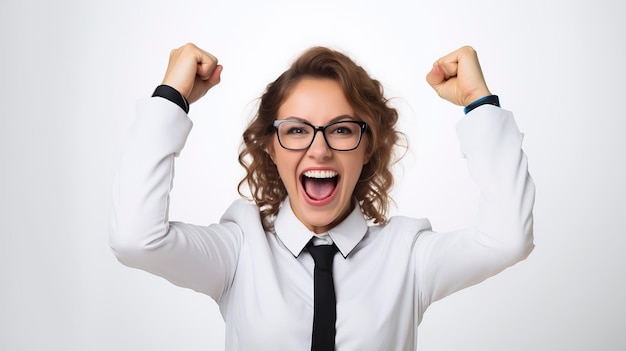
<point>299,135</point>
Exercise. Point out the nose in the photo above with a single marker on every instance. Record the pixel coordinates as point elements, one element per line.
<point>319,148</point>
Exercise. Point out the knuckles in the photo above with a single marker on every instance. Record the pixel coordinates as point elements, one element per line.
<point>468,50</point>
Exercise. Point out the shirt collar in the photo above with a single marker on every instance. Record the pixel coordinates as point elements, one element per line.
<point>295,235</point>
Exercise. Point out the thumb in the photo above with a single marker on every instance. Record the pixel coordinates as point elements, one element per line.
<point>215,77</point>
<point>436,76</point>
<point>212,79</point>
<point>442,82</point>
<point>203,84</point>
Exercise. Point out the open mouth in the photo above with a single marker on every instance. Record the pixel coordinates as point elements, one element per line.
<point>319,184</point>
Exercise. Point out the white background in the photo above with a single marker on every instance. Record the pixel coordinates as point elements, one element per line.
<point>71,72</point>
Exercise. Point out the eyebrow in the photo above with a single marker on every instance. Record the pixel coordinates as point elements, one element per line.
<point>336,119</point>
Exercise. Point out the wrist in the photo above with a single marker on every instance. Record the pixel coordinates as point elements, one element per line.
<point>173,95</point>
<point>485,100</point>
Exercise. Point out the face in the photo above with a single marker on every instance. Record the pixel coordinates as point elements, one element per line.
<point>319,202</point>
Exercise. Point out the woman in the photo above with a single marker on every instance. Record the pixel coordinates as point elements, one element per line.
<point>317,156</point>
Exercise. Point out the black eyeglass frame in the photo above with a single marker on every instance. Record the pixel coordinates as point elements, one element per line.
<point>362,128</point>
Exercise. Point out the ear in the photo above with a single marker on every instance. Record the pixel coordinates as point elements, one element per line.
<point>368,156</point>
<point>269,150</point>
<point>368,153</point>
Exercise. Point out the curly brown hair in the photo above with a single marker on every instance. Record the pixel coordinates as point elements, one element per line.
<point>364,94</point>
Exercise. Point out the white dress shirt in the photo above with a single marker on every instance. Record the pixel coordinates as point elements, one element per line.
<point>385,275</point>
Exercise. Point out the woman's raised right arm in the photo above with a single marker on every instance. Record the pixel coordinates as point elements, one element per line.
<point>202,258</point>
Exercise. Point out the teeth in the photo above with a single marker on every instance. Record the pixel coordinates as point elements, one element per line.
<point>320,174</point>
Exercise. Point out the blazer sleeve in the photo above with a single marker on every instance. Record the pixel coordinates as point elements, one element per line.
<point>202,258</point>
<point>503,234</point>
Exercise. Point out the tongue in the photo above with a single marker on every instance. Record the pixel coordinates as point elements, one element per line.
<point>318,189</point>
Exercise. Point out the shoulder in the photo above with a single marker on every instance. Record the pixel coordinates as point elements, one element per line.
<point>244,214</point>
<point>398,237</point>
<point>240,209</point>
<point>402,227</point>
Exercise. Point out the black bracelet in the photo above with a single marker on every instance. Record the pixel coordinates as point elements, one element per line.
<point>173,95</point>
<point>487,100</point>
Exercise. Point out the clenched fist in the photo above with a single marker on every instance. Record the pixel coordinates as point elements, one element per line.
<point>457,77</point>
<point>192,71</point>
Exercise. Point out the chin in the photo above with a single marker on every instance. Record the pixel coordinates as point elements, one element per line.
<point>321,219</point>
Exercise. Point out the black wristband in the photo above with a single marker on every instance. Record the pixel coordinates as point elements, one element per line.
<point>173,95</point>
<point>487,100</point>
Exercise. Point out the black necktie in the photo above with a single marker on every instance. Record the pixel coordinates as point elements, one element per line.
<point>324,304</point>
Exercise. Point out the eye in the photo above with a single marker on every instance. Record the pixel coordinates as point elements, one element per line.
<point>343,129</point>
<point>295,130</point>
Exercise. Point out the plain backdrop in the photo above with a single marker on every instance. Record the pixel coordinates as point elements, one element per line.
<point>72,71</point>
